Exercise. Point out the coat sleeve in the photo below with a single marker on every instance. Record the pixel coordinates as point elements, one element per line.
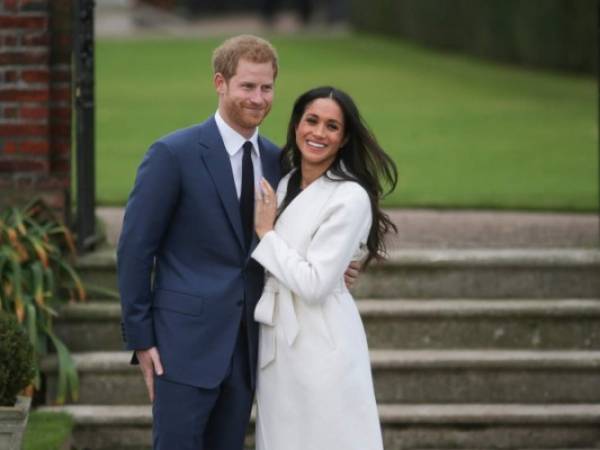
<point>346,222</point>
<point>147,215</point>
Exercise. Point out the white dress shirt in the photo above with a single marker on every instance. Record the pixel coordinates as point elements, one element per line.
<point>233,144</point>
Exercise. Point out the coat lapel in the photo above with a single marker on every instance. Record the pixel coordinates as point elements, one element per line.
<point>295,221</point>
<point>217,162</point>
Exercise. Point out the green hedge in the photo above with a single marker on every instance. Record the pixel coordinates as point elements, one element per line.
<point>16,359</point>
<point>557,34</point>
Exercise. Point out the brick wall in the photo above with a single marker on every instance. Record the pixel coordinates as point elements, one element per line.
<point>35,101</point>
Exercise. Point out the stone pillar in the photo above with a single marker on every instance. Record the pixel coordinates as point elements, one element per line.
<point>35,102</point>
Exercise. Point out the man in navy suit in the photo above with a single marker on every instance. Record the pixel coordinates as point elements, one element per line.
<point>188,287</point>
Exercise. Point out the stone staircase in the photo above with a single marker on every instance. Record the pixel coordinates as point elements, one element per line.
<point>470,349</point>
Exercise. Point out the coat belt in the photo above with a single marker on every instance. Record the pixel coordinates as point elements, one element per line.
<point>275,297</point>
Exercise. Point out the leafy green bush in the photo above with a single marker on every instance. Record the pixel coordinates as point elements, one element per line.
<point>35,278</point>
<point>16,360</point>
<point>556,34</point>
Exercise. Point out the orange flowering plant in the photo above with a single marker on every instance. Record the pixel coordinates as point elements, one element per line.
<point>36,276</point>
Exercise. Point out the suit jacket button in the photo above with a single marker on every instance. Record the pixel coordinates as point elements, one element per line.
<point>240,302</point>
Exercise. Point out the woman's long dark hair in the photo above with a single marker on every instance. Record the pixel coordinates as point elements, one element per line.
<point>365,162</point>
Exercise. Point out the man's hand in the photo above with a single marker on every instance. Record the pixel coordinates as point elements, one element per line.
<point>149,361</point>
<point>351,274</point>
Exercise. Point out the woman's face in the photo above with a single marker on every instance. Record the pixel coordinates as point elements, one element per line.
<point>320,133</point>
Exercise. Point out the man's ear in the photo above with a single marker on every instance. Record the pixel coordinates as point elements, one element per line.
<point>220,83</point>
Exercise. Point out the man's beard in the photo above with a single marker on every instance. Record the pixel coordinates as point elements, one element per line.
<point>247,117</point>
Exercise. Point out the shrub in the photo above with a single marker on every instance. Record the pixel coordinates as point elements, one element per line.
<point>35,279</point>
<point>16,360</point>
<point>556,34</point>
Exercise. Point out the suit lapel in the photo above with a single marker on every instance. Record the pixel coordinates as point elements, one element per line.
<point>270,164</point>
<point>217,162</point>
<point>270,170</point>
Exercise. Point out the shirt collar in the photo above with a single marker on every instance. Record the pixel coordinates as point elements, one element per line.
<point>232,139</point>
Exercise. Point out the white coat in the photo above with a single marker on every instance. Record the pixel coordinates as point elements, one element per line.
<point>314,387</point>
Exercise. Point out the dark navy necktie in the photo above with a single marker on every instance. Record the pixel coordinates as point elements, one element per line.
<point>247,194</point>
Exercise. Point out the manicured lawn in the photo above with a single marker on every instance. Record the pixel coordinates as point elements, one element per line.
<point>464,133</point>
<point>47,431</point>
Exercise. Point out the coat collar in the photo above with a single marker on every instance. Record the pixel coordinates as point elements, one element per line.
<point>312,198</point>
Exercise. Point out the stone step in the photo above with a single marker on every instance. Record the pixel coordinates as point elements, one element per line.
<point>552,324</point>
<point>494,426</point>
<point>432,426</point>
<point>448,273</point>
<point>485,273</point>
<point>405,324</point>
<point>400,376</point>
<point>90,326</point>
<point>486,376</point>
<point>98,268</point>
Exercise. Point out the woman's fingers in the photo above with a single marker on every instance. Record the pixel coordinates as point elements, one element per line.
<point>266,187</point>
<point>268,194</point>
<point>266,209</point>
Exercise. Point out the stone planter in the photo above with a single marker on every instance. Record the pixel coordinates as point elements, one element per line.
<point>13,421</point>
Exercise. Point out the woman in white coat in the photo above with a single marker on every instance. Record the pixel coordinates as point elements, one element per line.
<point>315,390</point>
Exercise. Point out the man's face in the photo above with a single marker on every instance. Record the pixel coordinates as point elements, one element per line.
<point>245,99</point>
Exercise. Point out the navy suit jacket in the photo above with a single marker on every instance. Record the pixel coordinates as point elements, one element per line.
<point>185,278</point>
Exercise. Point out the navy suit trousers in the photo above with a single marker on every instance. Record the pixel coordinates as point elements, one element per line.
<point>192,418</point>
